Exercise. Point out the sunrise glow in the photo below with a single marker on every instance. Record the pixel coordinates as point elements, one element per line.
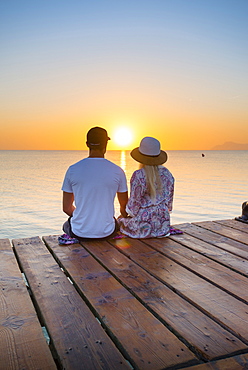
<point>123,137</point>
<point>173,70</point>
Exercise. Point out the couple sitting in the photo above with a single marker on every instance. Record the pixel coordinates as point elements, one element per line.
<point>93,183</point>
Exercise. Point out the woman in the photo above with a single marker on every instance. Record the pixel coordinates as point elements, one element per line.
<point>151,193</point>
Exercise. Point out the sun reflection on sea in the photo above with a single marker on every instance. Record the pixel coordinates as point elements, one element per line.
<point>123,160</point>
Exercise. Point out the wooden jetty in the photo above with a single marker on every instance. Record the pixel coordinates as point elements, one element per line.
<point>173,303</point>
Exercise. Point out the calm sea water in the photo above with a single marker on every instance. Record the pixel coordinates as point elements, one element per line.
<point>207,188</point>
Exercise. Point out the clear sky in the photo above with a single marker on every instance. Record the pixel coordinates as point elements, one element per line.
<point>173,69</point>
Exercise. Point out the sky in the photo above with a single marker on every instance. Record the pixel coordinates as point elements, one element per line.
<point>176,70</point>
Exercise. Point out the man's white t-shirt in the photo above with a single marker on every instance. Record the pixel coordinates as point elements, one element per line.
<point>94,183</point>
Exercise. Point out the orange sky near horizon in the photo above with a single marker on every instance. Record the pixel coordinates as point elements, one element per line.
<point>174,133</point>
<point>173,70</point>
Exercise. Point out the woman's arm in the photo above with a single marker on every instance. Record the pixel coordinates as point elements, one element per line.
<point>171,195</point>
<point>136,195</point>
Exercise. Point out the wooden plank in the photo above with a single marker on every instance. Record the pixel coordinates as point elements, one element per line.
<point>234,224</point>
<point>218,240</point>
<point>212,271</point>
<point>22,343</point>
<point>75,333</point>
<point>217,254</point>
<point>234,363</point>
<point>148,343</point>
<point>222,307</point>
<point>231,233</point>
<point>208,339</point>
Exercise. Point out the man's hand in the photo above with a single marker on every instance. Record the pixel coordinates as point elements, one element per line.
<point>123,198</point>
<point>68,199</point>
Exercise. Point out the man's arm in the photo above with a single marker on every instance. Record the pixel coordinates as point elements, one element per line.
<point>68,199</point>
<point>123,198</point>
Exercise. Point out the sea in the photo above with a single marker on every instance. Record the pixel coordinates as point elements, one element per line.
<point>209,185</point>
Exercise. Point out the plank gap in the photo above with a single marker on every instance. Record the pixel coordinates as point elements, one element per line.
<point>209,256</point>
<point>182,295</point>
<point>154,313</point>
<point>195,272</point>
<point>114,339</point>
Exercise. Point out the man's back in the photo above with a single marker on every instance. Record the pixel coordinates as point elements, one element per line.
<point>94,183</point>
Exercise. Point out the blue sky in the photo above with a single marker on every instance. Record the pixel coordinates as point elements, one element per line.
<point>171,67</point>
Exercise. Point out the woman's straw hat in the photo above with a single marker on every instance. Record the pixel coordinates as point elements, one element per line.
<point>149,152</point>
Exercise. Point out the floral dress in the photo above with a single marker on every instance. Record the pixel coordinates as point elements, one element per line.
<point>147,218</point>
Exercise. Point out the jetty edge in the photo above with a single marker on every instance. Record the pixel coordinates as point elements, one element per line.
<point>179,302</point>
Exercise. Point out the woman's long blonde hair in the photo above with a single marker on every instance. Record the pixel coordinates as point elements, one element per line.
<point>153,180</point>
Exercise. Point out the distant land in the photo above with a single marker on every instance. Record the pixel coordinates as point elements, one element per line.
<point>231,146</point>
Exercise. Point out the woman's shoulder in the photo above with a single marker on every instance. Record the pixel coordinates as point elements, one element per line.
<point>139,173</point>
<point>164,170</point>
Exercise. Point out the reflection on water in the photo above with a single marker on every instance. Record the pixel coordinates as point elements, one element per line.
<point>206,188</point>
<point>123,160</point>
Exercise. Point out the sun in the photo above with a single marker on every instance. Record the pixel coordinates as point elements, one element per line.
<point>123,136</point>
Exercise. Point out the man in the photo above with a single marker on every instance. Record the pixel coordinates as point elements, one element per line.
<point>92,184</point>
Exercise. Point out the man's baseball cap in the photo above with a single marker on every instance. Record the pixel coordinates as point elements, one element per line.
<point>97,136</point>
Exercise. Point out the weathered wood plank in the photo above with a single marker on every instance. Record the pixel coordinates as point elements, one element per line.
<point>208,339</point>
<point>234,363</point>
<point>76,335</point>
<point>22,343</point>
<point>221,276</point>
<point>221,306</point>
<point>231,233</point>
<point>217,254</point>
<point>234,224</point>
<point>188,283</point>
<point>218,240</point>
<point>149,344</point>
